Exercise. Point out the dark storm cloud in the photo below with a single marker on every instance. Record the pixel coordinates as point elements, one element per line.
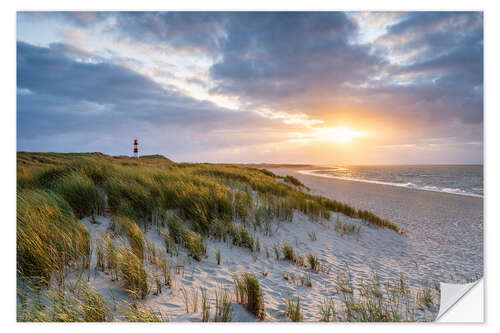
<point>445,67</point>
<point>279,55</point>
<point>62,90</point>
<point>59,70</point>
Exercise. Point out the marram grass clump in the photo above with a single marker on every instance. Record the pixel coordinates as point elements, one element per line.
<point>49,238</point>
<point>81,194</point>
<point>133,274</point>
<point>133,234</point>
<point>187,237</point>
<point>293,310</point>
<point>80,303</point>
<point>248,293</point>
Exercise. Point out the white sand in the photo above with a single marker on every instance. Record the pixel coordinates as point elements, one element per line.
<point>373,249</point>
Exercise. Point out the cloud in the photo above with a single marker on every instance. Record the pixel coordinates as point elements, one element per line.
<point>308,63</point>
<point>406,76</point>
<point>193,31</point>
<point>63,93</point>
<point>279,57</point>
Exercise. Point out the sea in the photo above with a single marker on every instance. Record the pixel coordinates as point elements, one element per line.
<point>457,179</point>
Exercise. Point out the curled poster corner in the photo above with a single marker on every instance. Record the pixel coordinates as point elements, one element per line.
<point>454,296</point>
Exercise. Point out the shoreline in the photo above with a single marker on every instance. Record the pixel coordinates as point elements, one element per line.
<point>312,173</point>
<point>445,229</point>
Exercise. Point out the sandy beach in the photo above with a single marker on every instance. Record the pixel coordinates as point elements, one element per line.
<point>445,230</point>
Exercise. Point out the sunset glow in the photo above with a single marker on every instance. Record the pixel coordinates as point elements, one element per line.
<point>344,134</point>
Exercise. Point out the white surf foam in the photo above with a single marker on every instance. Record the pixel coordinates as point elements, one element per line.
<point>407,185</point>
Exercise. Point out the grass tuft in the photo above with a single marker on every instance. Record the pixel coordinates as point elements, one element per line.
<point>293,309</point>
<point>288,253</point>
<point>136,312</point>
<point>134,235</point>
<point>49,238</point>
<point>133,274</point>
<point>327,310</point>
<point>248,293</point>
<point>346,228</point>
<point>223,306</point>
<point>82,194</point>
<point>313,262</point>
<point>205,306</point>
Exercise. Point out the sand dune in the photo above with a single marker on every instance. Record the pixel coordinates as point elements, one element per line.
<point>443,243</point>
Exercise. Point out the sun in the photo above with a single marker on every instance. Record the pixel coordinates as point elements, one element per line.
<point>344,134</point>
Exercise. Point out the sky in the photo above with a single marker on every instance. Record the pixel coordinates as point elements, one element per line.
<point>243,87</point>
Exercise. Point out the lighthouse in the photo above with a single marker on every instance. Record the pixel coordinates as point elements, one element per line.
<point>136,148</point>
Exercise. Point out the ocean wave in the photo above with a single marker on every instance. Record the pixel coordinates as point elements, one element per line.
<point>320,173</point>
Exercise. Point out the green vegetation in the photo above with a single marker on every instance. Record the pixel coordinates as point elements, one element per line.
<point>305,280</point>
<point>188,203</point>
<point>288,253</point>
<point>293,309</point>
<point>240,237</point>
<point>81,194</point>
<point>211,197</point>
<point>346,228</point>
<point>49,238</point>
<point>183,235</point>
<point>424,297</point>
<point>81,304</point>
<point>133,274</point>
<point>111,255</point>
<point>327,310</point>
<point>223,307</point>
<point>313,262</point>
<point>140,313</point>
<point>134,235</point>
<point>205,306</point>
<point>375,301</point>
<point>374,219</point>
<point>248,293</point>
<point>294,181</point>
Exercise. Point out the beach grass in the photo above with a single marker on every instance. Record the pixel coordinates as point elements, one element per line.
<point>223,306</point>
<point>133,274</point>
<point>313,262</point>
<point>346,228</point>
<point>135,312</point>
<point>188,203</point>
<point>293,309</point>
<point>248,292</point>
<point>49,237</point>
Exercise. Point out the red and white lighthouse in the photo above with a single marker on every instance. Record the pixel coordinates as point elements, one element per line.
<point>136,148</point>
